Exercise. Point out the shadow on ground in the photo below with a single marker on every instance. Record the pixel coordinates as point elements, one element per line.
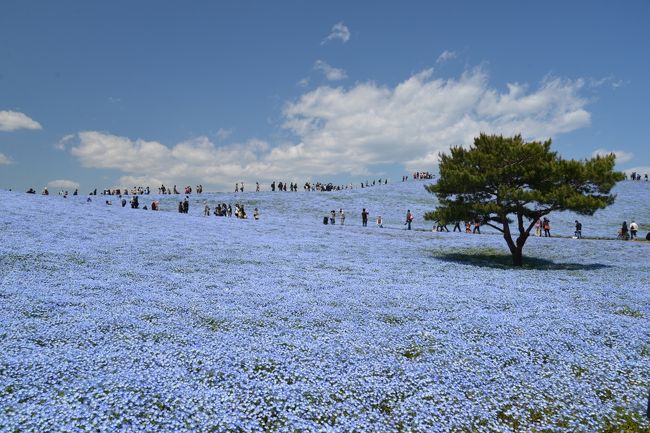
<point>499,260</point>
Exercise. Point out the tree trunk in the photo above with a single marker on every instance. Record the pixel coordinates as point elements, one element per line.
<point>517,256</point>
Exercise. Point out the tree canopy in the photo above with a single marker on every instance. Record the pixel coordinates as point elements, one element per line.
<point>499,178</point>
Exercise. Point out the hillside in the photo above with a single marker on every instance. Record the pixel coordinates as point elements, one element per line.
<point>117,319</point>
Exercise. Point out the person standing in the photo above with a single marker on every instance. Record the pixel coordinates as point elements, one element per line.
<point>546,224</point>
<point>257,187</point>
<point>538,227</point>
<point>633,229</point>
<point>342,216</point>
<point>380,222</point>
<point>256,214</point>
<point>364,217</point>
<point>477,227</point>
<point>409,219</point>
<point>332,217</point>
<point>624,231</point>
<point>457,226</point>
<point>578,230</point>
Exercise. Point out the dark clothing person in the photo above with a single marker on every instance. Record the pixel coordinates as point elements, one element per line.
<point>364,217</point>
<point>624,231</point>
<point>546,225</point>
<point>578,229</point>
<point>457,226</point>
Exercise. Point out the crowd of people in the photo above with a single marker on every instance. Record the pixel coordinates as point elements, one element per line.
<point>542,226</point>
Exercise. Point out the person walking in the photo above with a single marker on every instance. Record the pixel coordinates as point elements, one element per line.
<point>457,226</point>
<point>409,219</point>
<point>578,232</point>
<point>364,217</point>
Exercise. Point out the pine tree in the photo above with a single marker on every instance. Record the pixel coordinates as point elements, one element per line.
<point>500,178</point>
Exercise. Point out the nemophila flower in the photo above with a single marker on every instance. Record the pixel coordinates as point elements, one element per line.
<point>122,320</point>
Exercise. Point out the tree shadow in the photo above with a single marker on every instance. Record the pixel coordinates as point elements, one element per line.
<point>498,260</point>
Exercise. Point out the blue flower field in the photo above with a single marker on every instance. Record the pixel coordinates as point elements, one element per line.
<point>122,320</point>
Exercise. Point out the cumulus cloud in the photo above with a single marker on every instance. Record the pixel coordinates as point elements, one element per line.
<point>446,55</point>
<point>412,122</point>
<point>621,155</point>
<point>5,160</point>
<point>331,73</point>
<point>339,130</point>
<point>339,31</point>
<point>13,120</point>
<point>63,183</point>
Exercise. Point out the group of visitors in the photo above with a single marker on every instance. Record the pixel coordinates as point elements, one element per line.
<point>419,175</point>
<point>226,210</point>
<point>545,226</point>
<point>470,226</point>
<point>184,206</point>
<point>331,219</point>
<point>637,176</point>
<point>422,175</point>
<point>628,233</point>
<point>136,190</point>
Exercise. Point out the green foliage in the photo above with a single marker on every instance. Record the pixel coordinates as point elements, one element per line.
<point>499,178</point>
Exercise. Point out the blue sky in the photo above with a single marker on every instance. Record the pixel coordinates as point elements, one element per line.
<point>107,94</point>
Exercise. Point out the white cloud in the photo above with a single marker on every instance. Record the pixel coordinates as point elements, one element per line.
<point>349,130</point>
<point>13,120</point>
<point>5,160</point>
<point>331,73</point>
<point>63,183</point>
<point>339,31</point>
<point>621,155</point>
<point>304,82</point>
<point>409,124</point>
<point>446,55</point>
<point>60,145</point>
